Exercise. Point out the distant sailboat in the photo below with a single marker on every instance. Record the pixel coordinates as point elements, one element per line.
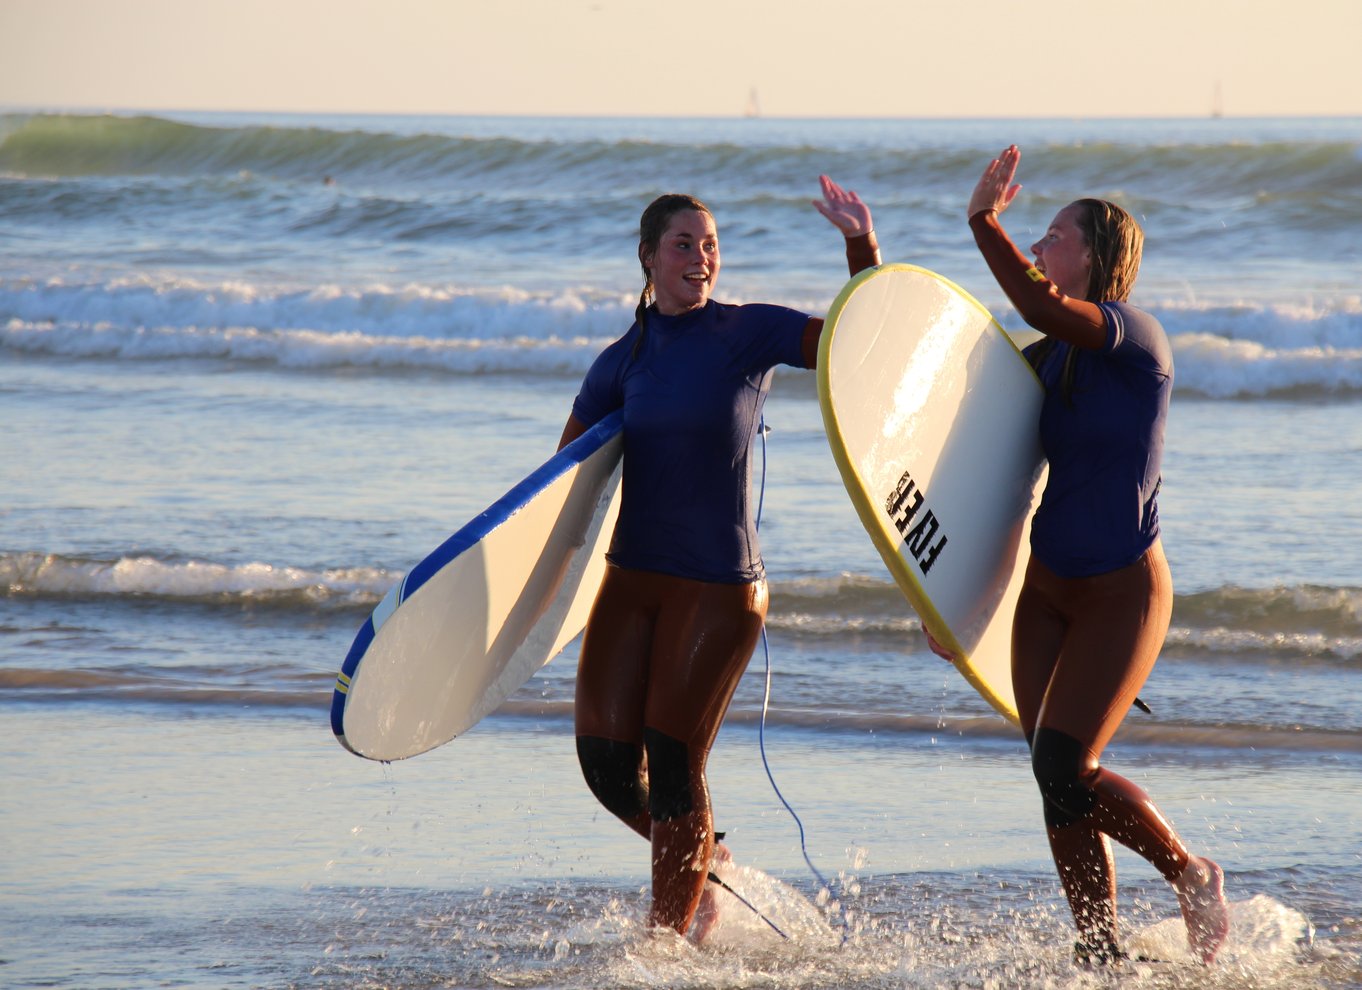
<point>1217,102</point>
<point>753,107</point>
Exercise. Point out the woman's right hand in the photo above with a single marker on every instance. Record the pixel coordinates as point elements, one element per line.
<point>995,189</point>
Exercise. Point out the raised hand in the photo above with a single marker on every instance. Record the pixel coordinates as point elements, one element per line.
<point>844,209</point>
<point>996,189</point>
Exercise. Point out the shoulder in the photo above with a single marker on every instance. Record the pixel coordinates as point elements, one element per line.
<point>1127,322</point>
<point>758,318</point>
<point>616,351</point>
<point>601,385</point>
<point>1137,335</point>
<point>766,312</point>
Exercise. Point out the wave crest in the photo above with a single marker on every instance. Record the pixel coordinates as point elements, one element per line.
<point>1239,351</point>
<point>907,157</point>
<point>1303,619</point>
<point>145,577</point>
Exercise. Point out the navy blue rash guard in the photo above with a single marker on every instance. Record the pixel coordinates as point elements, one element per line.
<point>692,402</point>
<point>1100,508</point>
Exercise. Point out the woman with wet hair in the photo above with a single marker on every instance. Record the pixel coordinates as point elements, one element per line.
<point>1097,598</point>
<point>684,596</point>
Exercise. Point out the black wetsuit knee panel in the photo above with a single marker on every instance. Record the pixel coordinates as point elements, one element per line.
<point>614,772</point>
<point>1063,768</point>
<point>669,791</point>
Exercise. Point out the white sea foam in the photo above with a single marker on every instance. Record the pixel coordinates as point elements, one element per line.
<point>1242,350</point>
<point>144,576</point>
<point>305,348</point>
<point>1296,621</point>
<point>1225,368</point>
<point>375,309</point>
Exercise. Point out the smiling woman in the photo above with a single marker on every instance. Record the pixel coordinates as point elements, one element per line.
<point>1098,596</point>
<point>681,263</point>
<point>1063,255</point>
<point>684,595</point>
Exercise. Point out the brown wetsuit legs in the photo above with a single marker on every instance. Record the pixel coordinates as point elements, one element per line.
<point>1081,650</point>
<point>659,664</point>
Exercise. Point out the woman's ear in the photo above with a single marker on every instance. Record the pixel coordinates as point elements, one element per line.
<point>645,258</point>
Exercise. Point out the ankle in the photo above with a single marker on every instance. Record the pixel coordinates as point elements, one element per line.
<point>1098,950</point>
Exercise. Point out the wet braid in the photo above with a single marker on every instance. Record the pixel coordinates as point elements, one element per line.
<point>641,312</point>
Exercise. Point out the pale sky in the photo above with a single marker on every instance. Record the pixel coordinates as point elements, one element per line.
<point>946,58</point>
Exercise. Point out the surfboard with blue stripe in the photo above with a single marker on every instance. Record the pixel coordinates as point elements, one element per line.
<point>474,620</point>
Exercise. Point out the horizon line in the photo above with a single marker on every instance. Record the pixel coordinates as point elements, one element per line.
<point>533,115</point>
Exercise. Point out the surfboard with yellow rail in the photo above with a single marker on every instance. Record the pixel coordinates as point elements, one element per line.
<point>933,418</point>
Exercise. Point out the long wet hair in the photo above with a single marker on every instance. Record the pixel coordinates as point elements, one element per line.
<point>651,226</point>
<point>1116,244</point>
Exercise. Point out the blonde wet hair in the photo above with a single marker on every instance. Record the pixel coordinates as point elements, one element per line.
<point>1115,242</point>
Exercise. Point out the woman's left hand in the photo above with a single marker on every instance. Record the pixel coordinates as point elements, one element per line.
<point>996,190</point>
<point>844,209</point>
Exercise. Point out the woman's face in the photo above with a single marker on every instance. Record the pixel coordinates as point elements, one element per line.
<point>685,265</point>
<point>1063,253</point>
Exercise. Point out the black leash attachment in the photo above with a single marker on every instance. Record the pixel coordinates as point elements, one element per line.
<point>714,879</point>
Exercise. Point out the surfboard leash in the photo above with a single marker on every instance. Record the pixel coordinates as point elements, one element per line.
<point>714,879</point>
<point>763,429</point>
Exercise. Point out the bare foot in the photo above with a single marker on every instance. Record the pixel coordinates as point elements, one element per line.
<point>707,911</point>
<point>1201,895</point>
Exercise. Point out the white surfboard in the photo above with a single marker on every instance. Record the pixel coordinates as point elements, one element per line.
<point>933,418</point>
<point>491,605</point>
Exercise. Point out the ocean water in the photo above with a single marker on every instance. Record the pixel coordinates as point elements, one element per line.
<point>254,367</point>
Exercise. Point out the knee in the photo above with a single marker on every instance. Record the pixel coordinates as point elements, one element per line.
<point>614,772</point>
<point>670,789</point>
<point>1064,769</point>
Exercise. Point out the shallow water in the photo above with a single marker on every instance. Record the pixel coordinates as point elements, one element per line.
<point>237,404</point>
<point>210,850</point>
